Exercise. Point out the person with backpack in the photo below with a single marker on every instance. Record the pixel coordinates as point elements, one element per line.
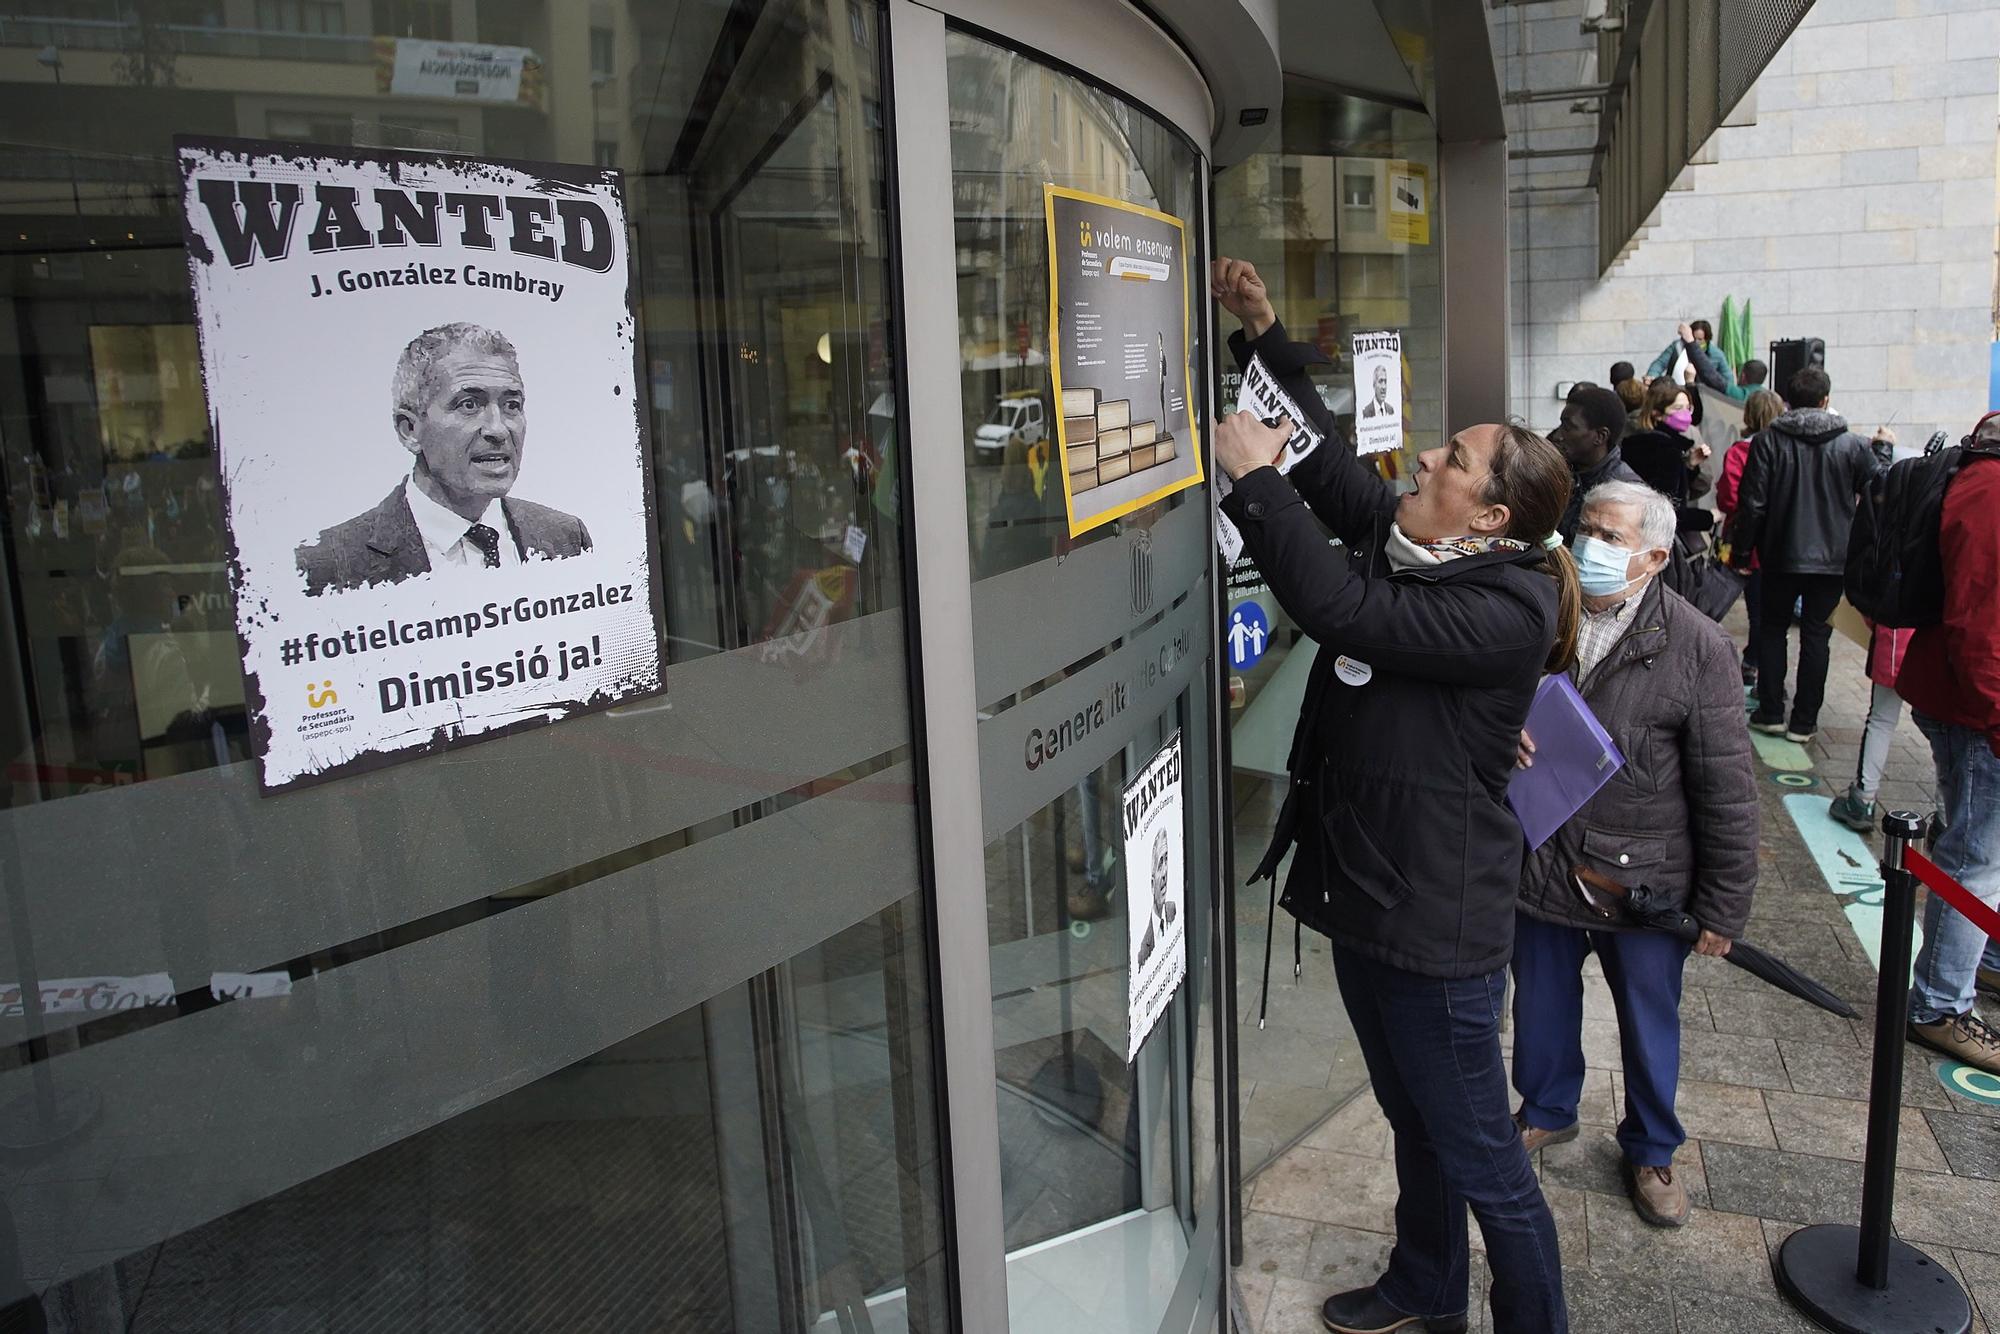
<point>1795,507</point>
<point>1951,679</point>
<point>1761,409</point>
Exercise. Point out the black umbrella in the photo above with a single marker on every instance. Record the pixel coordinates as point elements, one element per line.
<point>1611,901</point>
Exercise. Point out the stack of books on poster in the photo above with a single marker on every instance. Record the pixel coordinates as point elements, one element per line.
<point>1104,442</point>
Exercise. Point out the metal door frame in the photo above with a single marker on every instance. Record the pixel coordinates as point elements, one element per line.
<point>1122,49</point>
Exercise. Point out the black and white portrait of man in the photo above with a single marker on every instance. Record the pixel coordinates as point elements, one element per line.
<point>1380,406</point>
<point>460,408</point>
<point>1163,909</point>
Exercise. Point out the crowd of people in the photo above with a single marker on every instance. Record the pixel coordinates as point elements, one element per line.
<point>1439,615</point>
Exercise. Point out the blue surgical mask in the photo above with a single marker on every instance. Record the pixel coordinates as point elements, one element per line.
<point>1600,566</point>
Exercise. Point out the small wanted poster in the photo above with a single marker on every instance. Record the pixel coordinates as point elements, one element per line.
<point>1261,396</point>
<point>1155,891</point>
<point>379,331</point>
<point>1378,391</point>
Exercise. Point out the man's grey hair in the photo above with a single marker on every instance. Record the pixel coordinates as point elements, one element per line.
<point>1656,512</point>
<point>417,367</point>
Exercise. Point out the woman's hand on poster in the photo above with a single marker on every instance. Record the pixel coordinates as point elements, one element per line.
<point>1243,444</point>
<point>1524,751</point>
<point>1234,283</point>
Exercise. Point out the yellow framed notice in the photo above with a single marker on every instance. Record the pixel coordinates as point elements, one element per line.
<point>1119,344</point>
<point>1410,202</point>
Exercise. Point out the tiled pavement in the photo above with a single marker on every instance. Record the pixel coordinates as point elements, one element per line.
<point>1771,1097</point>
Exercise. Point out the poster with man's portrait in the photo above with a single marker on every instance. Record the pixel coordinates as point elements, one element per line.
<point>422,382</point>
<point>1378,391</point>
<point>1155,892</point>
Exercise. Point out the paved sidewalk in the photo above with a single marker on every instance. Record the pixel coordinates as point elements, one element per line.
<point>1771,1095</point>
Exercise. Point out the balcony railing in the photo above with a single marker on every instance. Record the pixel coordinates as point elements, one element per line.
<point>120,35</point>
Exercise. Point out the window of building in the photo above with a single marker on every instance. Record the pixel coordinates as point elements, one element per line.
<point>413,18</point>
<point>313,16</point>
<point>603,55</point>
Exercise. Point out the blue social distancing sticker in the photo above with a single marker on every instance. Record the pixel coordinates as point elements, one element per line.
<point>1970,1081</point>
<point>1248,635</point>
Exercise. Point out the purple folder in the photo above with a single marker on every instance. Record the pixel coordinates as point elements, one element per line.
<point>1574,756</point>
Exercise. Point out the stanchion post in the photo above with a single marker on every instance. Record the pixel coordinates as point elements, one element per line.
<point>1862,1280</point>
<point>1885,1084</point>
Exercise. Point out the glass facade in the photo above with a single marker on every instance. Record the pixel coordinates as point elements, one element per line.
<point>620,1024</point>
<point>630,1022</point>
<point>1102,1187</point>
<point>1313,212</point>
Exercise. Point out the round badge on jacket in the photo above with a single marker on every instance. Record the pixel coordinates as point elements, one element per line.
<point>1352,670</point>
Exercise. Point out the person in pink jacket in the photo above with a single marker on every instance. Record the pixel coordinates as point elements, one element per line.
<point>1855,808</point>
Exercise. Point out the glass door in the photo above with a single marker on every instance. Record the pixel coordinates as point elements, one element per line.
<point>1091,652</point>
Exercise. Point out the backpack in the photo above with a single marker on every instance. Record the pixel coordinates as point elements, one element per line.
<point>1895,572</point>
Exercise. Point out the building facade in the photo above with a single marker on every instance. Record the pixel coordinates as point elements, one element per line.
<point>1849,197</point>
<point>792,997</point>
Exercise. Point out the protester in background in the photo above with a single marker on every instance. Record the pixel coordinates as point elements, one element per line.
<point>1621,371</point>
<point>1794,508</point>
<point>1590,437</point>
<point>1632,394</point>
<point>1664,451</point>
<point>1436,619</point>
<point>1696,340</point>
<point>1855,807</point>
<point>1951,678</point>
<point>1680,817</point>
<point>1759,411</point>
<point>1750,379</point>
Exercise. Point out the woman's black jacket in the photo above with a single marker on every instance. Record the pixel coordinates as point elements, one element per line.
<point>1407,850</point>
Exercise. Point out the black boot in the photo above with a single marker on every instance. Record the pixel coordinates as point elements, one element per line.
<point>1362,1312</point>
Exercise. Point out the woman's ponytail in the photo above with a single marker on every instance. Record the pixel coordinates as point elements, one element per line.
<point>1569,609</point>
<point>1531,477</point>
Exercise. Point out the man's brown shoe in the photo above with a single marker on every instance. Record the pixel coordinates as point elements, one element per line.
<point>1534,1138</point>
<point>1966,1038</point>
<point>1658,1195</point>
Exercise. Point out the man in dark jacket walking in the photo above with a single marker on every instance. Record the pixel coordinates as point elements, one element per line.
<point>1680,817</point>
<point>1434,623</point>
<point>1805,472</point>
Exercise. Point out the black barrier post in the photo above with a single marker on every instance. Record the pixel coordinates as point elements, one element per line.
<point>1863,1280</point>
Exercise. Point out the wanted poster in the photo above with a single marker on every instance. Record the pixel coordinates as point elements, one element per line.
<point>1378,391</point>
<point>1118,328</point>
<point>422,385</point>
<point>1155,891</point>
<point>1261,396</point>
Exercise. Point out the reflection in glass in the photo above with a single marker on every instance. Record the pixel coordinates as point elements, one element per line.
<point>1017,124</point>
<point>1312,212</point>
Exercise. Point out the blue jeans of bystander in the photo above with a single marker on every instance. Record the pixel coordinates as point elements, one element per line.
<point>1968,776</point>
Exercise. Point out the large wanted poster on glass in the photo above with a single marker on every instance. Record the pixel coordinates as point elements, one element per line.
<point>1118,330</point>
<point>413,566</point>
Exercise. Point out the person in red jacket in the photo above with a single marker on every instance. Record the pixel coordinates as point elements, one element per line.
<point>1951,678</point>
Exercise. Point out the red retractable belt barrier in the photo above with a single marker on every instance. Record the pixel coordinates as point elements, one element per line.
<point>1957,895</point>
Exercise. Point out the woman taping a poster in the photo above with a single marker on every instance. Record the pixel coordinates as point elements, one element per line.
<point>1435,620</point>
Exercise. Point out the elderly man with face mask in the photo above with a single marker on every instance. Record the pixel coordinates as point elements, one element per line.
<point>1680,816</point>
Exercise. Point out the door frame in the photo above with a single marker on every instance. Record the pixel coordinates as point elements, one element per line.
<point>1120,48</point>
